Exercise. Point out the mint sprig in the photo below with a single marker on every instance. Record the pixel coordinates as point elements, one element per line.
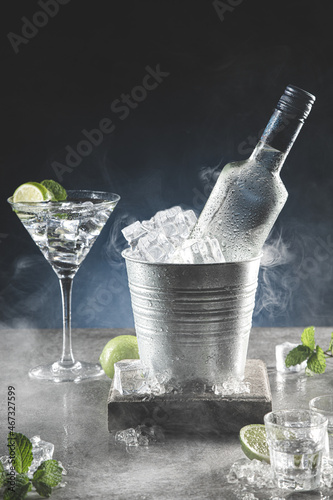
<point>314,355</point>
<point>17,485</point>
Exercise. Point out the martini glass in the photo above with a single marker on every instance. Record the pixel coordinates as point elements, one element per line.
<point>65,231</point>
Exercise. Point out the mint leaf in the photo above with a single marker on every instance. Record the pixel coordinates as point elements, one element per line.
<point>20,447</point>
<point>317,361</point>
<point>43,489</point>
<point>17,488</point>
<point>16,494</point>
<point>298,355</point>
<point>307,337</point>
<point>48,474</point>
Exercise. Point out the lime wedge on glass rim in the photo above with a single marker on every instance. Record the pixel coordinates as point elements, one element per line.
<point>254,442</point>
<point>32,192</point>
<point>118,348</point>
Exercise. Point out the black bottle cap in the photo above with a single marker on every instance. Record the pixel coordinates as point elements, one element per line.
<point>296,101</point>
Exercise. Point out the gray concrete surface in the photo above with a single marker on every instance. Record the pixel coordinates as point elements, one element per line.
<point>74,418</point>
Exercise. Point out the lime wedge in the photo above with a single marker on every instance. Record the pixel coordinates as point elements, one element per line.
<point>254,442</point>
<point>118,348</point>
<point>32,192</point>
<point>56,189</point>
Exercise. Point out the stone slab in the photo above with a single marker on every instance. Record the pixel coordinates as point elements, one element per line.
<point>205,413</point>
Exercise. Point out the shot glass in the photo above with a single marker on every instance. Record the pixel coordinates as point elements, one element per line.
<point>296,440</point>
<point>324,406</point>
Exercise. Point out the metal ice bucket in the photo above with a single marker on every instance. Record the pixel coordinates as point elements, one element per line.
<point>193,321</point>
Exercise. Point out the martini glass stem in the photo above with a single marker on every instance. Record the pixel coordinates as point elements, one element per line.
<point>67,357</point>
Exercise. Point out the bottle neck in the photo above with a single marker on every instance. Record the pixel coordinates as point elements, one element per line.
<point>277,140</point>
<point>267,157</point>
<point>281,131</point>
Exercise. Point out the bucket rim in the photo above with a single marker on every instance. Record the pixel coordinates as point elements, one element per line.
<point>212,264</point>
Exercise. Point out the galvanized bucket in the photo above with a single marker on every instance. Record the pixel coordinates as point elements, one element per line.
<point>193,321</point>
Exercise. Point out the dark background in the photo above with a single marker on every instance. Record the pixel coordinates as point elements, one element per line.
<point>227,67</point>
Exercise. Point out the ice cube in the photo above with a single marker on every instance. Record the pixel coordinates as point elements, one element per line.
<point>133,232</point>
<point>155,387</point>
<point>155,247</point>
<point>191,219</point>
<point>142,435</point>
<point>142,440</point>
<point>6,462</point>
<point>64,471</point>
<point>327,473</point>
<point>149,225</point>
<point>281,352</point>
<point>68,229</point>
<point>204,251</point>
<point>249,496</point>
<point>130,377</point>
<point>175,223</point>
<point>181,229</point>
<point>153,433</point>
<point>128,437</point>
<point>161,218</point>
<point>165,218</point>
<point>41,451</point>
<point>87,204</point>
<point>232,386</point>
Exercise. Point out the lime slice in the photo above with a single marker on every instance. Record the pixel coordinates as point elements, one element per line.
<point>32,192</point>
<point>56,189</point>
<point>118,348</point>
<point>254,442</point>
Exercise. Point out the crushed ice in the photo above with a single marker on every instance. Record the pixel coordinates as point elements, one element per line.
<point>131,377</point>
<point>142,435</point>
<point>251,473</point>
<point>232,386</point>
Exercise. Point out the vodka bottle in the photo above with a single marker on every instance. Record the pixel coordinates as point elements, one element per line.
<point>249,195</point>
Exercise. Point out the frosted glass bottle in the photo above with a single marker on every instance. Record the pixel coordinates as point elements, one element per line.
<point>249,195</point>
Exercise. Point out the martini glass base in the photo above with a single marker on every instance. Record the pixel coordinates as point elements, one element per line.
<point>58,372</point>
